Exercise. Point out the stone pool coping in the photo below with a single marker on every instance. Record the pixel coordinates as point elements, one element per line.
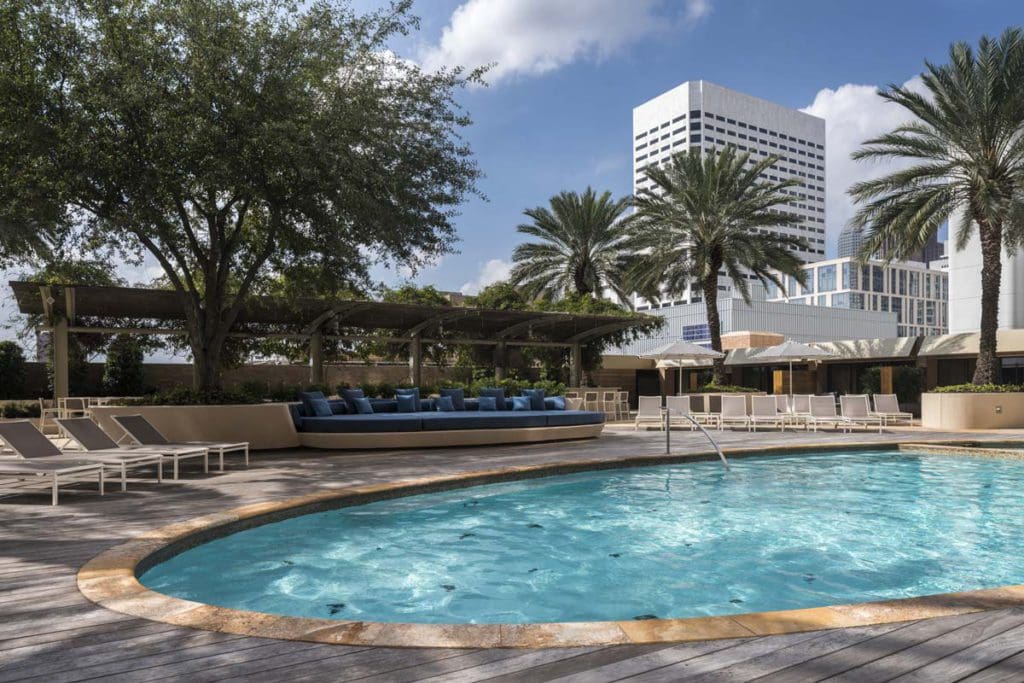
<point>111,578</point>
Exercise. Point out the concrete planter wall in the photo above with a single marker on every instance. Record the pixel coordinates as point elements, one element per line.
<point>972,411</point>
<point>264,425</point>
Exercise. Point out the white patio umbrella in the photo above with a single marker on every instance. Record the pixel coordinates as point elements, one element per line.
<point>791,351</point>
<point>674,352</point>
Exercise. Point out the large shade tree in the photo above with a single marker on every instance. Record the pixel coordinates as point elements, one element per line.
<point>967,140</point>
<point>579,247</point>
<point>707,214</point>
<point>229,140</point>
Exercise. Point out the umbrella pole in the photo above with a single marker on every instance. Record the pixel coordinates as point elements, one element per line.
<point>791,378</point>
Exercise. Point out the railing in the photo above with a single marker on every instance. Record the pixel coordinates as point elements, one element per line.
<point>668,439</point>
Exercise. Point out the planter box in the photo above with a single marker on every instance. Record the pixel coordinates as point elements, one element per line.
<point>263,425</point>
<point>972,411</point>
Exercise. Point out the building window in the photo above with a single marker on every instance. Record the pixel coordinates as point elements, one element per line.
<point>791,287</point>
<point>695,333</point>
<point>903,283</point>
<point>841,300</point>
<point>915,284</point>
<point>823,299</point>
<point>827,278</point>
<point>849,276</point>
<point>877,279</point>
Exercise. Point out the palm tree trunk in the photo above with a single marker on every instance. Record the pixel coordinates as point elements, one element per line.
<point>710,287</point>
<point>987,371</point>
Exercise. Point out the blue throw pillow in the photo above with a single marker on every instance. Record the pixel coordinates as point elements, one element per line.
<point>445,404</point>
<point>554,403</point>
<point>521,403</point>
<point>321,408</point>
<point>307,398</point>
<point>536,397</point>
<point>407,403</point>
<point>414,392</point>
<point>350,396</point>
<point>487,403</point>
<point>363,405</point>
<point>497,394</point>
<point>458,397</point>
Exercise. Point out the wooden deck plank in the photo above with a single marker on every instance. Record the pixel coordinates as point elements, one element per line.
<point>647,662</point>
<point>1009,670</point>
<point>582,662</point>
<point>525,659</point>
<point>970,660</point>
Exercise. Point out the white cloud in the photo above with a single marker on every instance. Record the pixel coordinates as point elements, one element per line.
<point>493,271</point>
<point>853,114</point>
<point>531,37</point>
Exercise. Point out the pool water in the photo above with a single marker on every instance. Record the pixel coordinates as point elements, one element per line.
<point>777,532</point>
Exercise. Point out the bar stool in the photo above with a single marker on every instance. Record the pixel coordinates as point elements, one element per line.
<point>591,400</point>
<point>622,404</point>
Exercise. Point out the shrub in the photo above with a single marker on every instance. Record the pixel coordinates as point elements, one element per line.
<point>284,393</point>
<point>906,382</point>
<point>980,389</point>
<point>12,370</point>
<point>122,373</point>
<point>183,396</point>
<point>711,388</point>
<point>255,388</point>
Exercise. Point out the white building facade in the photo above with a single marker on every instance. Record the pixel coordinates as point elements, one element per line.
<point>708,116</point>
<point>917,294</point>
<point>689,322</point>
<point>965,287</point>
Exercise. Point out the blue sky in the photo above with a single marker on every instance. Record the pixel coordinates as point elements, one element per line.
<point>557,114</point>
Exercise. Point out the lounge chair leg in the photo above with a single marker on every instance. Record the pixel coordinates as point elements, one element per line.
<point>101,482</point>
<point>124,477</point>
<point>221,459</point>
<point>175,468</point>
<point>53,495</point>
<point>206,463</point>
<point>160,471</point>
<point>246,455</point>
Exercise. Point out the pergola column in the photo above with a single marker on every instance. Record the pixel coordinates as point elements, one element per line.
<point>59,342</point>
<point>416,360</point>
<point>500,360</point>
<point>316,358</point>
<point>576,365</point>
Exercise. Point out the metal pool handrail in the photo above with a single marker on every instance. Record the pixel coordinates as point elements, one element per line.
<point>668,431</point>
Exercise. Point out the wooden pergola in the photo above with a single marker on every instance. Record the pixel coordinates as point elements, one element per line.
<point>80,309</point>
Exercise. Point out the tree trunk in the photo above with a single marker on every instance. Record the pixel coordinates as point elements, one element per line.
<point>987,370</point>
<point>710,286</point>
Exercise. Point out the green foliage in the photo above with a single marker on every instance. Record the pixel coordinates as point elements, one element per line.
<point>980,389</point>
<point>20,411</point>
<point>123,373</point>
<point>436,353</point>
<point>499,296</point>
<point>185,396</point>
<point>12,370</point>
<point>907,382</point>
<point>712,388</point>
<point>967,146</point>
<point>232,140</point>
<point>708,213</point>
<point>580,249</point>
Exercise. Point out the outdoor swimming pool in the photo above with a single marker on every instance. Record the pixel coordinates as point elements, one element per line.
<point>777,532</point>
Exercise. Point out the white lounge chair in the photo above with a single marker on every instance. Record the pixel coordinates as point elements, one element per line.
<point>142,432</point>
<point>823,412</point>
<point>27,442</point>
<point>764,410</point>
<point>53,470</point>
<point>648,412</point>
<point>678,410</point>
<point>887,407</point>
<point>855,410</point>
<point>93,440</point>
<point>734,411</point>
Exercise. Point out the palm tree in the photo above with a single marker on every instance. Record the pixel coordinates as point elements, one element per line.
<point>968,140</point>
<point>580,247</point>
<point>711,214</point>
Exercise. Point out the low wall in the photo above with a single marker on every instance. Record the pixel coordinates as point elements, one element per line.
<point>972,411</point>
<point>264,425</point>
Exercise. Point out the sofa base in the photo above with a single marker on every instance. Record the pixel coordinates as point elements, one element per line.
<point>446,438</point>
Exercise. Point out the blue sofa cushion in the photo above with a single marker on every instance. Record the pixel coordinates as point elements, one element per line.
<point>338,407</point>
<point>361,424</point>
<point>458,397</point>
<point>567,418</point>
<point>414,392</point>
<point>498,394</point>
<point>363,406</point>
<point>320,406</point>
<point>350,396</point>
<point>536,397</point>
<point>554,403</point>
<point>487,403</point>
<point>483,420</point>
<point>384,405</point>
<point>445,404</point>
<point>521,403</point>
<point>407,403</point>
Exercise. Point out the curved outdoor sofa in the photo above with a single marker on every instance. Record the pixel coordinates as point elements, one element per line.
<point>428,427</point>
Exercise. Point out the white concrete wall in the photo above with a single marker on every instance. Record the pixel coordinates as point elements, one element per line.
<point>965,287</point>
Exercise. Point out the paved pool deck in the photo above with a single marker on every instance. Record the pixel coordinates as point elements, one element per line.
<point>50,631</point>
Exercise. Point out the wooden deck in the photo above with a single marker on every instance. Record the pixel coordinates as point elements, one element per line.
<point>48,631</point>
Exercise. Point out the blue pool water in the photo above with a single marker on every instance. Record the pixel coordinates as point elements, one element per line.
<point>777,532</point>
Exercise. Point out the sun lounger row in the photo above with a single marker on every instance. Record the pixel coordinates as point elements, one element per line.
<point>810,412</point>
<point>35,458</point>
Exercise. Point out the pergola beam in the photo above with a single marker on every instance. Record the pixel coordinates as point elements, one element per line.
<point>532,323</point>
